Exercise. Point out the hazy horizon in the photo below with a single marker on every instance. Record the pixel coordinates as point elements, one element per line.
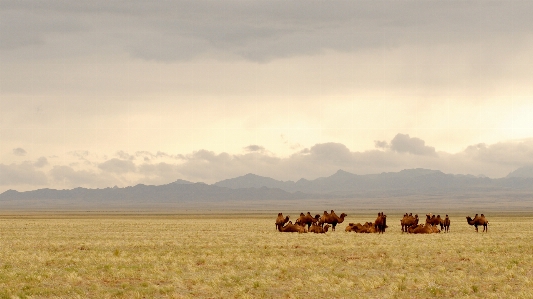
<point>99,94</point>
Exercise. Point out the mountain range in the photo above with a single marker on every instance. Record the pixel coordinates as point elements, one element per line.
<point>408,185</point>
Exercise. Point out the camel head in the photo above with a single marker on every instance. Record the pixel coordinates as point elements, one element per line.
<point>326,227</point>
<point>343,215</point>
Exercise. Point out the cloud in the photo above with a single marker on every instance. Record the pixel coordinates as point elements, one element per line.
<point>319,160</point>
<point>125,156</point>
<point>254,148</point>
<point>402,143</point>
<point>381,144</point>
<point>21,174</point>
<point>19,151</point>
<point>257,31</point>
<point>41,162</point>
<point>67,176</point>
<point>117,166</point>
<point>502,153</point>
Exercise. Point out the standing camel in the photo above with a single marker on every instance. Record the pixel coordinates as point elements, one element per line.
<point>479,220</point>
<point>445,224</point>
<point>381,223</point>
<point>332,219</point>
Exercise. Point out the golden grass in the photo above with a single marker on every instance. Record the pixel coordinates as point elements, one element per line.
<point>232,256</point>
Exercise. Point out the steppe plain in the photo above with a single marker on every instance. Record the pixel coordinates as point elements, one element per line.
<point>241,255</point>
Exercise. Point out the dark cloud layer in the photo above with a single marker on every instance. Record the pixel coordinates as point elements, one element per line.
<point>253,30</point>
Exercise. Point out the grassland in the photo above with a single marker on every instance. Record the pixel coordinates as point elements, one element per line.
<point>242,256</point>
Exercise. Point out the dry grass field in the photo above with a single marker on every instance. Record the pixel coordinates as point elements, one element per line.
<point>243,256</point>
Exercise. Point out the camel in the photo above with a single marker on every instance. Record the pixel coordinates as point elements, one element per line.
<point>351,227</point>
<point>357,228</point>
<point>280,221</point>
<point>432,220</point>
<point>307,219</point>
<point>423,229</point>
<point>445,224</point>
<point>317,229</point>
<point>292,228</point>
<point>366,228</point>
<point>322,219</point>
<point>381,223</point>
<point>332,219</point>
<point>408,221</point>
<point>478,220</point>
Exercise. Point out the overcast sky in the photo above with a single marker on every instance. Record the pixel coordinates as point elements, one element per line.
<point>103,93</point>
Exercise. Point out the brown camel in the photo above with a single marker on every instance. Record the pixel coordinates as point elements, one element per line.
<point>280,221</point>
<point>322,219</point>
<point>307,219</point>
<point>423,229</point>
<point>332,219</point>
<point>351,227</point>
<point>478,220</point>
<point>432,220</point>
<point>292,228</point>
<point>317,229</point>
<point>408,221</point>
<point>355,227</point>
<point>381,223</point>
<point>366,228</point>
<point>445,224</point>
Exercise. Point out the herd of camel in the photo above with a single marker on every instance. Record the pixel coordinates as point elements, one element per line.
<point>321,224</point>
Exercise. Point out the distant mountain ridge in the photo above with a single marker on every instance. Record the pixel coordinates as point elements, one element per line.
<point>421,183</point>
<point>416,180</point>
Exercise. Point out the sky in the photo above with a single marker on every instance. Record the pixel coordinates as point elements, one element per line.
<point>104,93</point>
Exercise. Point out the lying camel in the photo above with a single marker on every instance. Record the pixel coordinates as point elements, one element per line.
<point>332,219</point>
<point>307,219</point>
<point>368,227</point>
<point>317,229</point>
<point>423,229</point>
<point>292,228</point>
<point>408,221</point>
<point>445,224</point>
<point>280,221</point>
<point>478,220</point>
<point>381,223</point>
